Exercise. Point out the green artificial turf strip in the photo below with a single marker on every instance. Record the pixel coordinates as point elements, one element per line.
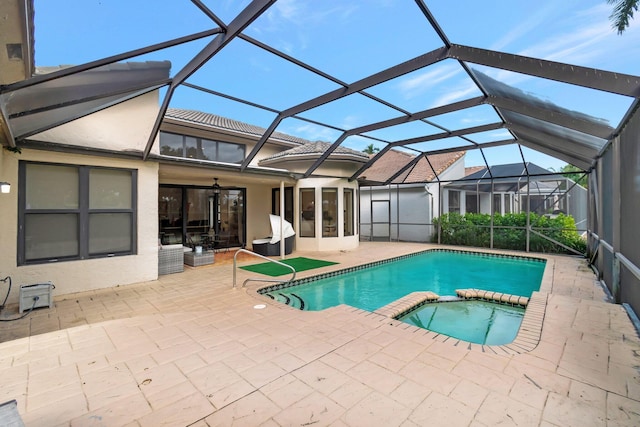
<point>300,264</point>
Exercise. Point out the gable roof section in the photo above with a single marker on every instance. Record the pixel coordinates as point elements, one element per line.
<point>394,160</point>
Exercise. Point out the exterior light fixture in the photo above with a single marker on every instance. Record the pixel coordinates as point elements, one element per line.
<point>5,187</point>
<point>216,186</point>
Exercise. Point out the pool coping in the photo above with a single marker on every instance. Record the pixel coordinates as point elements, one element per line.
<point>529,333</point>
<point>526,339</point>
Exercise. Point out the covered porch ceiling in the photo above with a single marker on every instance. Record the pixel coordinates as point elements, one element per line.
<point>488,99</point>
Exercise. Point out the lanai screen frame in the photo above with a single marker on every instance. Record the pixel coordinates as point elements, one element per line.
<point>574,138</point>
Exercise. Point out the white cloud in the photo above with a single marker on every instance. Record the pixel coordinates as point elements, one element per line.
<point>421,82</point>
<point>473,120</point>
<point>588,40</point>
<point>463,91</point>
<point>350,121</point>
<point>313,132</point>
<point>359,143</point>
<point>287,9</point>
<point>300,20</point>
<point>523,28</point>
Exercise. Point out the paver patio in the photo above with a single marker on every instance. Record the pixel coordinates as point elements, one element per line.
<point>188,349</point>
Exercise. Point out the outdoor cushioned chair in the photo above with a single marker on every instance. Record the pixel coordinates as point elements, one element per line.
<point>270,246</point>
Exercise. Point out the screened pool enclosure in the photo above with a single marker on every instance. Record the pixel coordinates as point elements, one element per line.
<point>423,87</point>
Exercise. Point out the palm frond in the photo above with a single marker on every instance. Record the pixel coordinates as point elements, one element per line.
<point>622,13</point>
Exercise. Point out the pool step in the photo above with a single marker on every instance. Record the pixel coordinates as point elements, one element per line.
<point>492,296</point>
<point>414,299</point>
<point>291,299</point>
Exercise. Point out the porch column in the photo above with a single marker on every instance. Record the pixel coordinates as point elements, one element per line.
<point>282,242</point>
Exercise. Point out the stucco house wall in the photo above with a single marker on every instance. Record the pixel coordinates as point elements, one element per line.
<point>123,127</point>
<point>89,274</point>
<point>320,243</point>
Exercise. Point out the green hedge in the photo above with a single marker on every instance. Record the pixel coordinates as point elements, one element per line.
<point>474,230</point>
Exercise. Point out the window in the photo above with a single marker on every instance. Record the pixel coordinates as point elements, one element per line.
<point>232,216</point>
<point>288,203</point>
<point>71,212</point>
<point>471,202</point>
<point>170,215</point>
<point>348,211</point>
<point>454,201</point>
<point>497,205</point>
<point>189,215</point>
<point>197,213</point>
<point>199,148</point>
<point>307,212</point>
<point>329,212</point>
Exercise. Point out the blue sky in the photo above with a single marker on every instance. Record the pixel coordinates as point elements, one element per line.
<point>351,40</point>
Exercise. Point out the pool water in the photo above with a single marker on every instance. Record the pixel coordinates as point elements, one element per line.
<point>478,322</point>
<point>438,271</point>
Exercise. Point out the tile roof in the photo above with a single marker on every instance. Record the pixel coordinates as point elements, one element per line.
<point>472,169</point>
<point>393,160</point>
<point>314,150</point>
<point>220,122</point>
<point>304,149</point>
<point>509,170</point>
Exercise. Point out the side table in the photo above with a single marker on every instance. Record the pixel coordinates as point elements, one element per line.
<point>195,259</point>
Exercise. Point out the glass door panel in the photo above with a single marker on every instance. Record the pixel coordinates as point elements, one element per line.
<point>170,215</point>
<point>232,217</point>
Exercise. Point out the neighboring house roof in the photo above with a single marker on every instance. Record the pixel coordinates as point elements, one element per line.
<point>313,150</point>
<point>472,169</point>
<point>215,121</point>
<point>509,170</point>
<point>394,160</point>
<point>507,177</point>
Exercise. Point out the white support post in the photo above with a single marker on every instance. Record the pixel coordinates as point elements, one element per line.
<point>282,241</point>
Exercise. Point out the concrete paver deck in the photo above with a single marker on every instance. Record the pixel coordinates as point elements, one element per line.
<point>188,349</point>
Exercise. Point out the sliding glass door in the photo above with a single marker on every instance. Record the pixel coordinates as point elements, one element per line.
<point>232,217</point>
<point>188,215</point>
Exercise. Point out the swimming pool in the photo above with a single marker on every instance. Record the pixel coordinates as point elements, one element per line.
<point>478,322</point>
<point>438,270</point>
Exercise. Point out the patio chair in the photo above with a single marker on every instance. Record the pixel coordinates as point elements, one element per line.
<point>270,246</point>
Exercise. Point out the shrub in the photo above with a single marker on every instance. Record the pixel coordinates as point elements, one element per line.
<point>474,230</point>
